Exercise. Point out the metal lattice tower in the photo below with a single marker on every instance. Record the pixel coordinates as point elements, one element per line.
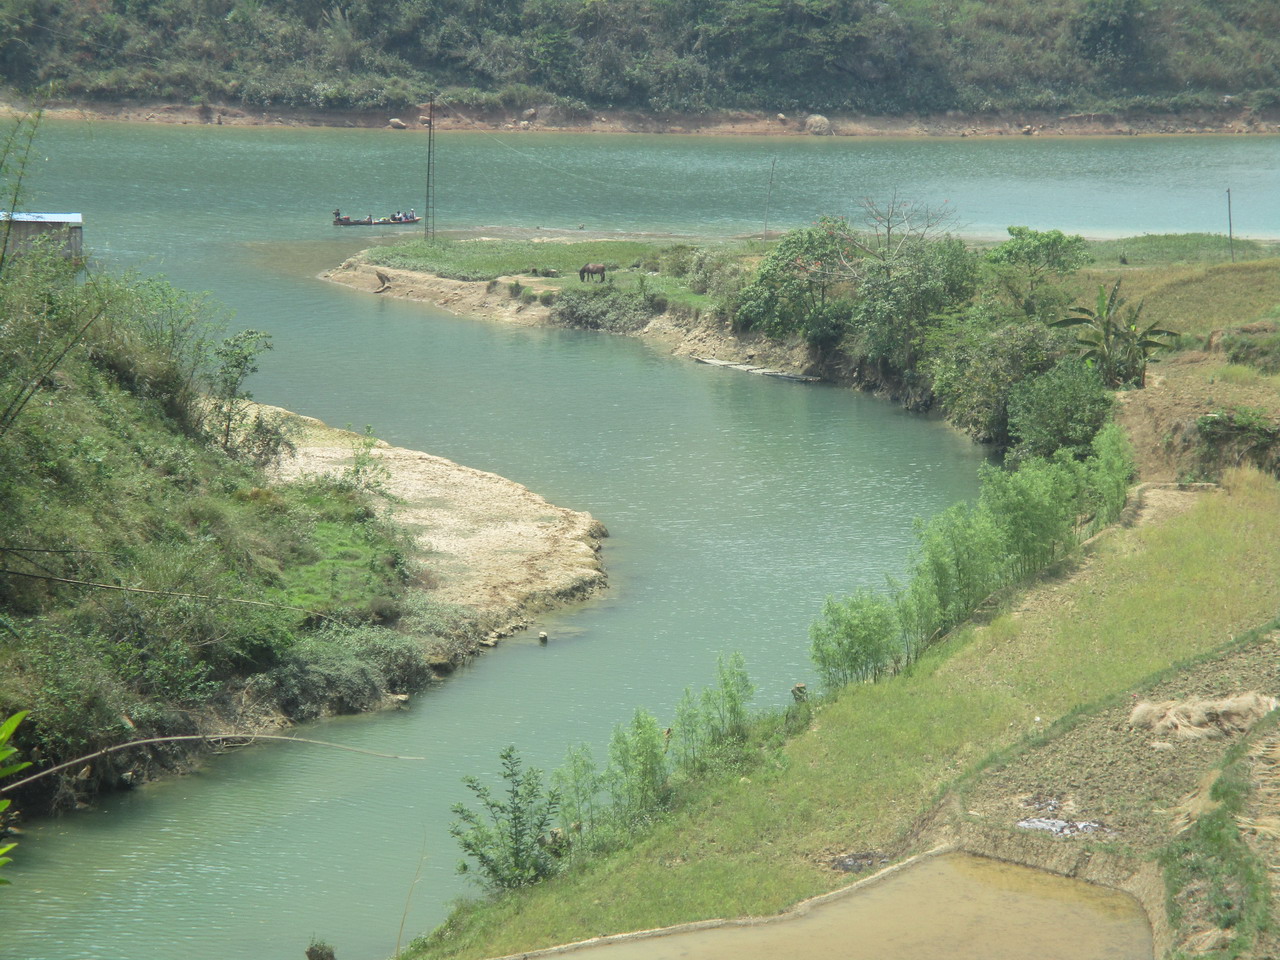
<point>429,211</point>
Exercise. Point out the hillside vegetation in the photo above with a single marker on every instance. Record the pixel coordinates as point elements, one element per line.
<point>673,56</point>
<point>153,580</point>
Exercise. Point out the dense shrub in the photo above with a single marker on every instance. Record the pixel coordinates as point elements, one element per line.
<point>1061,409</point>
<point>977,358</point>
<point>602,308</point>
<point>1259,350</point>
<point>853,639</point>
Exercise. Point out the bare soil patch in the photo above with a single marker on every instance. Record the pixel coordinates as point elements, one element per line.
<point>1161,418</point>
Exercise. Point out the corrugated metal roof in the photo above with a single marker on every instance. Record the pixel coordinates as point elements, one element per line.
<point>45,217</point>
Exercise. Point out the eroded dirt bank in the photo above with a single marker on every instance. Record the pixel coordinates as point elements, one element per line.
<point>492,301</point>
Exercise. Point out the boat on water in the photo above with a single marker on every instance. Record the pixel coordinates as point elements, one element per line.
<point>370,222</point>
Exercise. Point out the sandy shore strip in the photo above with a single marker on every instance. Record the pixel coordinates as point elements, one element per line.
<point>486,542</point>
<point>742,123</point>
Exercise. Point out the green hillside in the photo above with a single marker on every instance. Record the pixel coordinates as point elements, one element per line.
<point>154,581</point>
<point>654,55</point>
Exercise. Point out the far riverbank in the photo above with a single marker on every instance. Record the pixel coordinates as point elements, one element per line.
<point>1227,120</point>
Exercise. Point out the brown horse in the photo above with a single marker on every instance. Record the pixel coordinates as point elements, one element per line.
<point>591,270</point>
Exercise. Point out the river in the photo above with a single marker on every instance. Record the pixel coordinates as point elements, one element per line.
<point>736,503</point>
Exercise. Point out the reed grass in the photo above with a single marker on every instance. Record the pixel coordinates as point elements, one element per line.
<point>878,755</point>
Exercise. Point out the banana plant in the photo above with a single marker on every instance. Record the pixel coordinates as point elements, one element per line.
<point>1113,341</point>
<point>6,751</point>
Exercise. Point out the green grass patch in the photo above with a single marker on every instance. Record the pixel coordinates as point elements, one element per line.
<point>654,270</point>
<point>490,259</point>
<point>1193,299</point>
<point>1170,248</point>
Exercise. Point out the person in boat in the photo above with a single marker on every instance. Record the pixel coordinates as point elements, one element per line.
<point>412,215</point>
<point>398,216</point>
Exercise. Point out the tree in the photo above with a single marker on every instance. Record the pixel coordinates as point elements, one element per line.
<point>237,358</point>
<point>977,357</point>
<point>637,774</point>
<point>908,272</point>
<point>1062,409</point>
<point>890,229</point>
<point>853,639</point>
<point>793,292</point>
<point>1114,342</point>
<point>259,439</point>
<point>506,839</point>
<point>1031,259</point>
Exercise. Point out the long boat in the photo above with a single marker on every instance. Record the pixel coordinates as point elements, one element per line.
<point>370,222</point>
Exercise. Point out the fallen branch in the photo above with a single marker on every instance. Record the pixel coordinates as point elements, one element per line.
<point>207,738</point>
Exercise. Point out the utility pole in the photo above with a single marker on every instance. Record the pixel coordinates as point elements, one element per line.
<point>769,198</point>
<point>429,211</point>
<point>1231,240</point>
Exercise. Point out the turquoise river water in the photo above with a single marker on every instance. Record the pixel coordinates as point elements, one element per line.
<point>735,503</point>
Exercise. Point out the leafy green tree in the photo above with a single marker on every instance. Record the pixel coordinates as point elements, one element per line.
<point>725,704</point>
<point>901,300</point>
<point>1036,507</point>
<point>795,290</point>
<point>579,783</point>
<point>977,357</point>
<point>1030,262</point>
<point>505,839</point>
<point>258,438</point>
<point>236,358</point>
<point>958,562</point>
<point>1061,410</point>
<point>1113,340</point>
<point>853,639</point>
<point>6,732</point>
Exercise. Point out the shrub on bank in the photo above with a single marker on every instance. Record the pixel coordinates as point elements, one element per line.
<point>603,307</point>
<point>1024,520</point>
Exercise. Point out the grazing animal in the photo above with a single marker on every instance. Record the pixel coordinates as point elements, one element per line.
<point>591,270</point>
<point>382,279</point>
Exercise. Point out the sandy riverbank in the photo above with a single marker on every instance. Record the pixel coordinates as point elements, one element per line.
<point>486,542</point>
<point>1228,120</point>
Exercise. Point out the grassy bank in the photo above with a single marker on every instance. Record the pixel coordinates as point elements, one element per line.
<point>1039,676</point>
<point>878,756</point>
